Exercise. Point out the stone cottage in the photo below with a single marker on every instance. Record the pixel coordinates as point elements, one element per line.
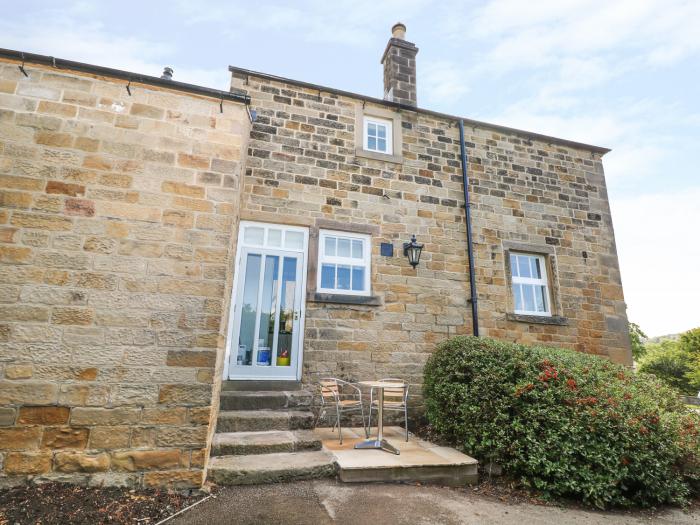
<point>159,240</point>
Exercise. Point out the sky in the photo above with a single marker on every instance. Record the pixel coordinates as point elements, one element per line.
<point>624,74</point>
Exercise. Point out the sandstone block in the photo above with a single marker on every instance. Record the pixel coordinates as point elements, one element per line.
<point>109,437</point>
<point>144,110</point>
<point>143,437</point>
<point>98,281</point>
<point>19,371</point>
<point>164,416</point>
<point>62,188</point>
<point>81,462</point>
<point>72,316</point>
<point>7,417</point>
<point>182,436</point>
<point>15,199</point>
<point>195,358</point>
<point>174,479</point>
<point>22,438</point>
<point>46,415</point>
<point>42,222</point>
<point>65,437</point>
<point>27,462</point>
<point>185,190</point>
<point>136,460</point>
<point>84,416</point>
<point>185,395</point>
<point>82,207</point>
<point>28,393</point>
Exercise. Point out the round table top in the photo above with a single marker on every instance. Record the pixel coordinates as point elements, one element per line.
<point>381,384</point>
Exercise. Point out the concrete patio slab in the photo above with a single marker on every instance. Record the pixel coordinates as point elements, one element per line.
<point>418,460</point>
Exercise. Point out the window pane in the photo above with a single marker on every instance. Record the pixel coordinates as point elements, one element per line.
<point>343,277</point>
<point>249,309</point>
<point>286,322</point>
<point>536,267</point>
<point>294,240</point>
<point>529,297</point>
<point>517,297</point>
<point>541,298</point>
<point>524,266</point>
<point>381,132</point>
<point>358,278</point>
<point>328,276</point>
<point>514,266</point>
<point>274,238</point>
<point>343,247</point>
<point>254,235</point>
<point>371,143</point>
<point>356,249</point>
<point>267,310</point>
<point>381,144</point>
<point>371,130</point>
<point>329,246</point>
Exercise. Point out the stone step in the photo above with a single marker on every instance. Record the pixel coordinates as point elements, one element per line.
<point>264,400</point>
<point>250,386</point>
<point>270,468</point>
<point>258,420</point>
<point>266,442</point>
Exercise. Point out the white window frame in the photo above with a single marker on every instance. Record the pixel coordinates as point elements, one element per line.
<point>543,281</point>
<point>366,261</point>
<point>388,124</point>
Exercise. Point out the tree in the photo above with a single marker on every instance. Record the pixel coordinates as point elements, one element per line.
<point>637,338</point>
<point>667,362</point>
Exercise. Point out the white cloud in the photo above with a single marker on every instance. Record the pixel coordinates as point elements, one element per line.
<point>442,80</point>
<point>659,251</point>
<point>68,34</point>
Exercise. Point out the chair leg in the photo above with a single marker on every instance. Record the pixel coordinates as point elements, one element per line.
<point>405,421</point>
<point>340,430</point>
<point>369,421</point>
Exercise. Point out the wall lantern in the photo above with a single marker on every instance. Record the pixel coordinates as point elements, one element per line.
<point>412,251</point>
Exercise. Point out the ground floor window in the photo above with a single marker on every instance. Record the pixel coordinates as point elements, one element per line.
<point>529,284</point>
<point>344,263</point>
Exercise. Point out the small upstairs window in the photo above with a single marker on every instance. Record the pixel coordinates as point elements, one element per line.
<point>378,135</point>
<point>530,286</point>
<point>344,263</point>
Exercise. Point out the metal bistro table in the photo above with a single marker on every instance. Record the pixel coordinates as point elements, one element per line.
<point>379,442</point>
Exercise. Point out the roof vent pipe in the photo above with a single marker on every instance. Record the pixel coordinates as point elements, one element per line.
<point>167,73</point>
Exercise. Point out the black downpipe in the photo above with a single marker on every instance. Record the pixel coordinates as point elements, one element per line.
<point>470,248</point>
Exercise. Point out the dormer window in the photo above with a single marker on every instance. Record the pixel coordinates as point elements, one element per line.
<point>378,135</point>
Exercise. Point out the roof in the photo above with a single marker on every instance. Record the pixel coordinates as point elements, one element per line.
<point>467,121</point>
<point>60,63</point>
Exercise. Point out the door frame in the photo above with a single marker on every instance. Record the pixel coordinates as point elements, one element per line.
<point>304,254</point>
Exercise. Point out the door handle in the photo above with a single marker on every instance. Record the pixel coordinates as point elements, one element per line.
<point>296,315</point>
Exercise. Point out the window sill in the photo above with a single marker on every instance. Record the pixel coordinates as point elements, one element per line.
<point>367,300</point>
<point>538,319</point>
<point>396,159</point>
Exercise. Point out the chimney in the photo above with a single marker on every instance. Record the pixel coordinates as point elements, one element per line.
<point>399,61</point>
<point>167,73</point>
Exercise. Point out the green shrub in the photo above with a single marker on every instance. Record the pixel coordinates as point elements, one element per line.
<point>565,423</point>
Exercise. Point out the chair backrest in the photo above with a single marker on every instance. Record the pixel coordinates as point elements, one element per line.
<point>330,390</point>
<point>396,395</point>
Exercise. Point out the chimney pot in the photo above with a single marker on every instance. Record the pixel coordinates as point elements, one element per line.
<point>167,73</point>
<point>398,30</point>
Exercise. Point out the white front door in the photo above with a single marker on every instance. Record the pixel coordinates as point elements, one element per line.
<point>265,336</point>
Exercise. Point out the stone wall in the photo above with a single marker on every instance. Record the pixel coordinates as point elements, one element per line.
<point>117,218</point>
<point>303,169</point>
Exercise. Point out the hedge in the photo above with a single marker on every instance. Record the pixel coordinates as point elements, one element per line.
<point>567,424</point>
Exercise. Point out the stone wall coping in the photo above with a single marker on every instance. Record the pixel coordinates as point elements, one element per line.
<point>136,78</point>
<point>243,73</point>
